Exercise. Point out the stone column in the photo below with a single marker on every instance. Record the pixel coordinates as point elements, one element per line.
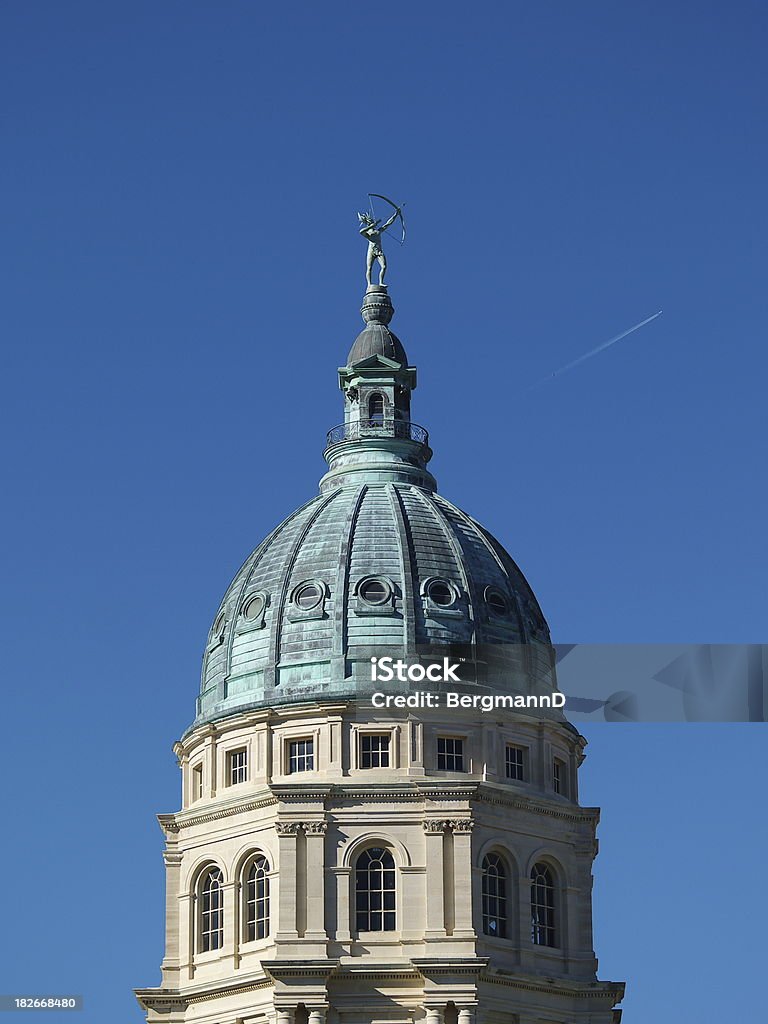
<point>317,1014</point>
<point>285,1014</point>
<point>462,877</point>
<point>466,1015</point>
<point>228,891</point>
<point>172,959</point>
<point>287,831</point>
<point>343,882</point>
<point>435,1014</point>
<point>435,880</point>
<point>315,835</point>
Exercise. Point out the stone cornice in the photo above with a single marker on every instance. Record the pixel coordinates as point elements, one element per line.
<point>559,986</point>
<point>166,1000</point>
<point>413,791</point>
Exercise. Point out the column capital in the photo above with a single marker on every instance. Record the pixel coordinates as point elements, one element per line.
<point>460,825</point>
<point>315,828</point>
<point>287,828</point>
<point>433,826</point>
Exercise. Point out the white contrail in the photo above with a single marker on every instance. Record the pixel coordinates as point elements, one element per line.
<point>600,348</point>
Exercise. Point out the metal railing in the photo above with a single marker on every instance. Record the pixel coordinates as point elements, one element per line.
<point>394,428</point>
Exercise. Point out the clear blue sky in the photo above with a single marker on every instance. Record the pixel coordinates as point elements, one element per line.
<point>181,275</point>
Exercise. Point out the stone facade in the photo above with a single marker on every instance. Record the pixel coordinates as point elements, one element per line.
<point>333,864</point>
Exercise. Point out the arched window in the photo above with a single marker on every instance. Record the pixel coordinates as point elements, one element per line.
<point>212,911</point>
<point>375,891</point>
<point>376,408</point>
<point>542,906</point>
<point>257,900</point>
<point>494,896</point>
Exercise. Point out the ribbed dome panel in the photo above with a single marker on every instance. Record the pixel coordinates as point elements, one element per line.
<point>266,646</point>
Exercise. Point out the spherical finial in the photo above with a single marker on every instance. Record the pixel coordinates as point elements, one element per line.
<point>377,306</point>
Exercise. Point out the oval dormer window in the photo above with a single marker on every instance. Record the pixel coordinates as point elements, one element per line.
<point>497,602</point>
<point>253,609</point>
<point>308,596</point>
<point>374,591</point>
<point>441,593</point>
<point>376,409</point>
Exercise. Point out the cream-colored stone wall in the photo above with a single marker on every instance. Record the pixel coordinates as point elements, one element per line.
<point>311,826</point>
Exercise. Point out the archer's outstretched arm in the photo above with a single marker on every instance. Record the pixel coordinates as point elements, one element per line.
<point>391,220</point>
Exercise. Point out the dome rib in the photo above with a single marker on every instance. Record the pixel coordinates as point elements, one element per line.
<point>276,632</point>
<point>403,544</point>
<point>461,559</point>
<point>341,608</point>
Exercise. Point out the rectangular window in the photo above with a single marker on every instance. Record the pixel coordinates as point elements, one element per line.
<point>558,775</point>
<point>197,782</point>
<point>515,762</point>
<point>374,751</point>
<point>301,756</point>
<point>238,766</point>
<point>450,754</point>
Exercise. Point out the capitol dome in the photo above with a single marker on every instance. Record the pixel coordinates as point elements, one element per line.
<point>378,564</point>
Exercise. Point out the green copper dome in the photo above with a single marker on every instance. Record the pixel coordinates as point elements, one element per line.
<point>377,564</point>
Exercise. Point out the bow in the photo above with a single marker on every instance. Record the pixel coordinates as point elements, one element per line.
<point>398,210</point>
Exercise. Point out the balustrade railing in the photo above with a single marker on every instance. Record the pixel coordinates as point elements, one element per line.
<point>394,428</point>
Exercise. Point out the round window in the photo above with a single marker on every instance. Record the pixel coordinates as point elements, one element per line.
<point>497,602</point>
<point>218,626</point>
<point>254,608</point>
<point>440,593</point>
<point>309,595</point>
<point>374,591</point>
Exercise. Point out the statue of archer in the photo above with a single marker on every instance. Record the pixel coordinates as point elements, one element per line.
<point>373,229</point>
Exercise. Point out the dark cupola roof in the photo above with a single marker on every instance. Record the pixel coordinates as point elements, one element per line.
<point>377,340</point>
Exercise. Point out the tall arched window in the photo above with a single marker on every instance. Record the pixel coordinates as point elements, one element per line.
<point>212,910</point>
<point>375,891</point>
<point>494,896</point>
<point>542,906</point>
<point>376,408</point>
<point>257,900</point>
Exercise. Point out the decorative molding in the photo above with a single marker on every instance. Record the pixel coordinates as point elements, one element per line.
<point>186,818</point>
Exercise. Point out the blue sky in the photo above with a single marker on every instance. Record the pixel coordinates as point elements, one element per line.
<point>181,277</point>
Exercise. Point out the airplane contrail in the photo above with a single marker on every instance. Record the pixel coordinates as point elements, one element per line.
<point>600,348</point>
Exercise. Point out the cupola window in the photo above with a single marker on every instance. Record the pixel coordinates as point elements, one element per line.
<point>515,762</point>
<point>301,756</point>
<point>376,409</point>
<point>559,776</point>
<point>542,906</point>
<point>450,754</point>
<point>238,766</point>
<point>375,891</point>
<point>374,750</point>
<point>494,896</point>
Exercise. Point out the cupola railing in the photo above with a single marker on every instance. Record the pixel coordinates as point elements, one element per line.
<point>356,431</point>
